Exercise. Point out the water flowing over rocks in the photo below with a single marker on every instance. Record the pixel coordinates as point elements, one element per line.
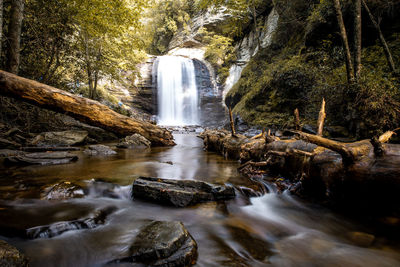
<point>54,158</point>
<point>179,193</point>
<point>48,231</point>
<point>11,257</point>
<point>161,243</point>
<point>63,191</point>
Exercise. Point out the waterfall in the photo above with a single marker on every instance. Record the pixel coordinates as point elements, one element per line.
<point>177,91</point>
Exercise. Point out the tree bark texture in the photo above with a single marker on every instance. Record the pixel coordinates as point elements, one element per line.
<point>83,109</point>
<point>357,39</point>
<point>232,122</point>
<point>321,119</point>
<point>14,35</point>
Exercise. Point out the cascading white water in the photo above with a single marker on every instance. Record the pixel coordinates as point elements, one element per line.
<point>177,91</point>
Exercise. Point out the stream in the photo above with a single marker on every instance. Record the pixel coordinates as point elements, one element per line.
<point>264,229</point>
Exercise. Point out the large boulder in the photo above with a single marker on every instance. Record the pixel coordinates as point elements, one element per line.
<point>163,244</point>
<point>179,193</point>
<point>99,150</point>
<point>63,191</point>
<point>65,138</point>
<point>10,256</point>
<point>134,141</point>
<point>53,158</point>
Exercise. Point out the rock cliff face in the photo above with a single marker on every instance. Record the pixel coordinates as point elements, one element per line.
<point>249,46</point>
<point>211,19</point>
<point>143,95</point>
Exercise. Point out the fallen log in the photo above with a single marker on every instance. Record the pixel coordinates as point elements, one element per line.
<point>83,109</point>
<point>347,175</point>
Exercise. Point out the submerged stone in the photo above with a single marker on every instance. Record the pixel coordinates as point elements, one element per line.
<point>179,193</point>
<point>10,256</point>
<point>99,150</point>
<point>162,243</point>
<point>361,239</point>
<point>53,158</point>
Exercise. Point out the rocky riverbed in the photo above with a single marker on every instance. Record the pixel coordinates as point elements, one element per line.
<point>86,213</point>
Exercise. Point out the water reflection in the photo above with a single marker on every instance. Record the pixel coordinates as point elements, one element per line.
<point>187,160</point>
<point>270,230</point>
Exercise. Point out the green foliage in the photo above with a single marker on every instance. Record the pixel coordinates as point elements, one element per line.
<point>219,52</point>
<point>165,19</point>
<point>64,41</point>
<point>268,92</point>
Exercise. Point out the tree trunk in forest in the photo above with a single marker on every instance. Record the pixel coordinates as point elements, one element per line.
<point>232,122</point>
<point>96,79</point>
<point>14,35</point>
<point>385,46</point>
<point>297,125</point>
<point>83,109</point>
<point>321,118</point>
<point>1,26</point>
<point>357,39</point>
<point>343,33</point>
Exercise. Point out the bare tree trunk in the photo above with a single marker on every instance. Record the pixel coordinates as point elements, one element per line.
<point>321,119</point>
<point>388,54</point>
<point>14,35</point>
<point>357,39</point>
<point>1,25</point>
<point>343,33</point>
<point>232,122</point>
<point>96,78</point>
<point>297,119</point>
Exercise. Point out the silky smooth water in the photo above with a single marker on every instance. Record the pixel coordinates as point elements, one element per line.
<point>178,102</point>
<point>265,230</point>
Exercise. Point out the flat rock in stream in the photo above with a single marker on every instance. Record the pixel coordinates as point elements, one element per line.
<point>63,191</point>
<point>166,244</point>
<point>53,158</point>
<point>11,257</point>
<point>65,138</point>
<point>179,193</point>
<point>50,148</point>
